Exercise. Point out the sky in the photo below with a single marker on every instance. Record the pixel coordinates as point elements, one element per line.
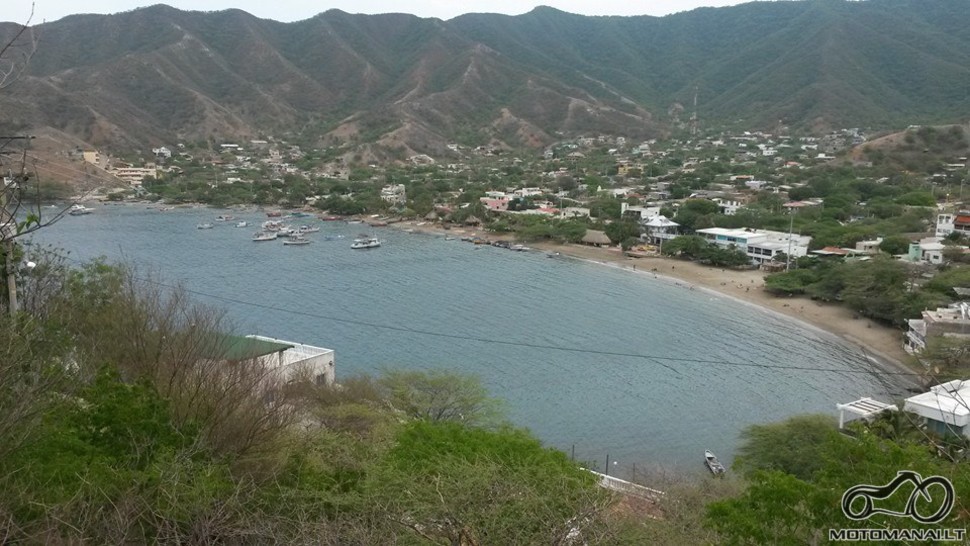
<point>296,10</point>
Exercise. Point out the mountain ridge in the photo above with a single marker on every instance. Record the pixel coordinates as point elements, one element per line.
<point>401,83</point>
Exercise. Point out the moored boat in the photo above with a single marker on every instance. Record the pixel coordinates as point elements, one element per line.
<point>713,464</point>
<point>242,224</point>
<point>264,236</point>
<point>205,225</point>
<point>369,242</point>
<point>79,210</point>
<point>296,240</point>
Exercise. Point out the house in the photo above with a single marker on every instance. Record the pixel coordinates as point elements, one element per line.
<point>759,244</point>
<point>285,361</point>
<point>929,250</point>
<point>499,204</point>
<point>574,212</point>
<point>659,229</point>
<point>395,193</point>
<point>869,247</point>
<point>952,321</point>
<point>728,206</point>
<point>948,223</point>
<point>945,408</point>
<point>636,213</point>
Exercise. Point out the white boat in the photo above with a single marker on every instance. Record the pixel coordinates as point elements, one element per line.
<point>307,229</point>
<point>370,242</point>
<point>224,218</point>
<point>205,225</point>
<point>242,224</point>
<point>79,210</point>
<point>713,464</point>
<point>264,236</point>
<point>297,240</point>
<point>519,248</point>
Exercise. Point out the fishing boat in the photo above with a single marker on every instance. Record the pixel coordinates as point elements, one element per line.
<point>713,464</point>
<point>264,236</point>
<point>307,229</point>
<point>296,240</point>
<point>205,225</point>
<point>369,242</point>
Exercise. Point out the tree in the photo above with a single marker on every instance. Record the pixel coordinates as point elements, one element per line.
<point>895,245</point>
<point>439,395</point>
<point>450,484</point>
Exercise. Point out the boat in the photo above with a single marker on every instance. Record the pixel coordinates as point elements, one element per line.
<point>369,242</point>
<point>205,225</point>
<point>713,464</point>
<point>330,218</point>
<point>264,236</point>
<point>79,210</point>
<point>307,229</point>
<point>297,239</point>
<point>224,218</point>
<point>242,224</point>
<point>274,214</point>
<point>519,248</point>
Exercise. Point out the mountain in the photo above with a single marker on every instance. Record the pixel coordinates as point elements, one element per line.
<point>397,84</point>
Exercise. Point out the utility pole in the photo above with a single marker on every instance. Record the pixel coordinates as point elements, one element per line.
<point>791,225</point>
<point>8,229</point>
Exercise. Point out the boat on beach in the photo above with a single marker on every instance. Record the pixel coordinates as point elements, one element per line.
<point>713,464</point>
<point>369,242</point>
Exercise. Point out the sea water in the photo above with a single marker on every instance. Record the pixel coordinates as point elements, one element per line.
<point>596,361</point>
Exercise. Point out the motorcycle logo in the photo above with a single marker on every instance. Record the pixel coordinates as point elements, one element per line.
<point>912,510</point>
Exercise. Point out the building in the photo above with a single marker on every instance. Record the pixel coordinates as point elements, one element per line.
<point>396,194</point>
<point>134,175</point>
<point>869,247</point>
<point>929,250</point>
<point>945,409</point>
<point>760,245</point>
<point>658,229</point>
<point>92,157</point>
<point>949,222</point>
<point>285,361</point>
<point>498,204</point>
<point>728,206</point>
<point>574,212</point>
<point>637,213</point>
<point>952,321</point>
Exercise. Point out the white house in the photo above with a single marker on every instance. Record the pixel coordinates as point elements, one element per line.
<point>947,223</point>
<point>952,321</point>
<point>945,408</point>
<point>395,193</point>
<point>760,245</point>
<point>658,229</point>
<point>640,214</point>
<point>727,206</point>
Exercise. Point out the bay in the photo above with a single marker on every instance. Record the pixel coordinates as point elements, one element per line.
<point>594,360</point>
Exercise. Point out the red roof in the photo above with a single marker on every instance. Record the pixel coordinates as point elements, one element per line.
<point>962,220</point>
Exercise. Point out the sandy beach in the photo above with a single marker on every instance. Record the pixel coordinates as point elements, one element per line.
<point>882,343</point>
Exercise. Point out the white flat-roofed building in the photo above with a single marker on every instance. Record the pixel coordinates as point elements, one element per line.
<point>638,213</point>
<point>863,408</point>
<point>293,361</point>
<point>760,245</point>
<point>395,193</point>
<point>946,407</point>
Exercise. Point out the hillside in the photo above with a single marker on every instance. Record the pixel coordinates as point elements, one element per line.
<point>403,84</point>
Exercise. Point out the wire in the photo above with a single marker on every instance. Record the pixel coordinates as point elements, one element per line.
<point>493,341</point>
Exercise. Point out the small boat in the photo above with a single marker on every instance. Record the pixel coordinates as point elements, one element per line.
<point>79,210</point>
<point>264,236</point>
<point>274,214</point>
<point>242,224</point>
<point>297,239</point>
<point>370,242</point>
<point>519,248</point>
<point>224,218</point>
<point>449,238</point>
<point>713,464</point>
<point>205,225</point>
<point>307,229</point>
<point>330,218</point>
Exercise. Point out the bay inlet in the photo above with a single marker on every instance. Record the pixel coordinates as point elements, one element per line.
<point>590,358</point>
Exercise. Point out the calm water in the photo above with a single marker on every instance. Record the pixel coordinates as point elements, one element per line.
<point>588,357</point>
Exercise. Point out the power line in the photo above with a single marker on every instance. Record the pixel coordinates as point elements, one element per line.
<point>657,358</point>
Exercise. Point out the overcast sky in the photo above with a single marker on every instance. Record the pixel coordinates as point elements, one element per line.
<point>295,10</point>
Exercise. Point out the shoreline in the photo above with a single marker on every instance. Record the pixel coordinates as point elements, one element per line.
<point>881,345</point>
